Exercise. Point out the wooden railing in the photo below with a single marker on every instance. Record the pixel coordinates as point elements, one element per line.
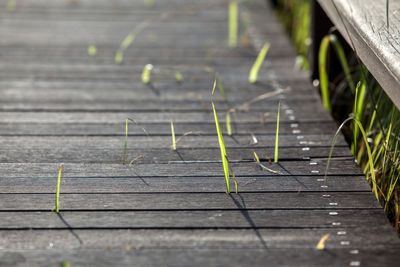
<point>371,31</point>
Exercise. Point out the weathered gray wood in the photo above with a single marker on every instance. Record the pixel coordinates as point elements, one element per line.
<point>375,43</point>
<point>337,167</point>
<point>192,219</point>
<point>193,201</point>
<point>155,149</point>
<point>59,104</point>
<point>305,257</point>
<point>285,239</point>
<point>146,184</point>
<point>318,134</point>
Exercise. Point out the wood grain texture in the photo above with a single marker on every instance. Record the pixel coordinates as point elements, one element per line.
<point>169,208</point>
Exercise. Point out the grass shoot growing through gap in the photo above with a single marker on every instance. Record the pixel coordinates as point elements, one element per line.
<point>228,121</point>
<point>128,40</point>
<point>370,158</point>
<point>11,6</point>
<point>221,143</point>
<point>277,134</point>
<point>323,74</point>
<point>92,50</point>
<point>253,75</point>
<point>126,139</point>
<point>173,136</point>
<point>233,23</point>
<point>60,172</point>
<point>322,241</point>
<point>146,73</point>
<point>233,176</point>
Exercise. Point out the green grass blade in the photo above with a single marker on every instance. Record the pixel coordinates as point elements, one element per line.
<point>228,123</point>
<point>65,264</point>
<point>233,176</point>
<point>146,73</point>
<point>221,142</point>
<point>277,134</point>
<point>92,50</point>
<point>323,75</point>
<point>178,77</point>
<point>233,23</point>
<point>173,136</point>
<point>119,56</point>
<point>253,75</point>
<point>60,171</point>
<point>11,6</point>
<point>256,157</point>
<point>370,157</point>
<point>343,60</point>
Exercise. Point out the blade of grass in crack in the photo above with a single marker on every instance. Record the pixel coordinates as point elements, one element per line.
<point>221,142</point>
<point>277,134</point>
<point>178,77</point>
<point>60,171</point>
<point>173,136</point>
<point>128,40</point>
<point>146,73</point>
<point>370,162</point>
<point>253,75</point>
<point>11,6</point>
<point>233,23</point>
<point>256,157</point>
<point>92,50</point>
<point>233,176</point>
<point>342,58</point>
<point>228,121</point>
<point>322,241</point>
<point>126,139</point>
<point>323,75</point>
<point>65,264</point>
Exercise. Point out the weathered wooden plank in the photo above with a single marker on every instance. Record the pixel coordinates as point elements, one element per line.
<point>143,118</point>
<point>192,201</point>
<point>309,133</point>
<point>146,184</point>
<point>101,153</point>
<point>248,169</point>
<point>202,219</point>
<point>305,257</point>
<point>285,239</point>
<point>375,42</point>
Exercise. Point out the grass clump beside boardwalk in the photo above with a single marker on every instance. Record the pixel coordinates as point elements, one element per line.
<point>224,158</point>
<point>368,105</point>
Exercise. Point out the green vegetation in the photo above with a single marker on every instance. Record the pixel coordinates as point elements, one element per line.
<point>128,40</point>
<point>253,75</point>
<point>92,50</point>
<point>11,5</point>
<point>224,159</point>
<point>65,264</point>
<point>322,241</point>
<point>233,23</point>
<point>173,136</point>
<point>146,73</point>
<point>374,133</point>
<point>295,15</point>
<point>228,121</point>
<point>60,172</point>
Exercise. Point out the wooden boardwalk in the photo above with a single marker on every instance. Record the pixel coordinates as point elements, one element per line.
<point>60,105</point>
